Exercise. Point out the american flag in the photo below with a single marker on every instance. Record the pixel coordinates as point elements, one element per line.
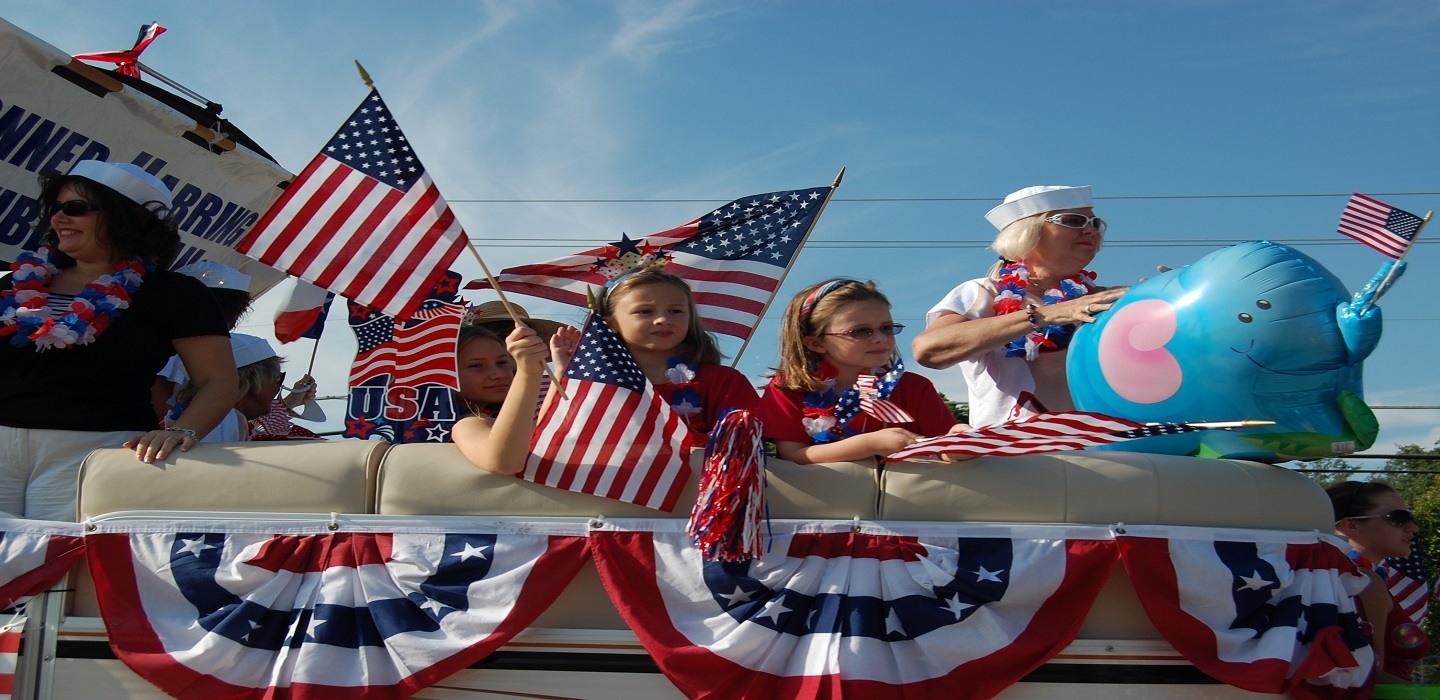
<point>1379,225</point>
<point>1045,432</point>
<point>1409,582</point>
<point>870,387</point>
<point>614,436</point>
<point>363,220</point>
<point>732,258</point>
<point>418,350</point>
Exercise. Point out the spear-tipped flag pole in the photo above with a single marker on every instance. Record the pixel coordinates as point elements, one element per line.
<point>363,219</point>
<point>1390,274</point>
<point>1053,432</point>
<point>791,264</point>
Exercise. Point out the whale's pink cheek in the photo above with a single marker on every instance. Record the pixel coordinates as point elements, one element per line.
<point>1133,358</point>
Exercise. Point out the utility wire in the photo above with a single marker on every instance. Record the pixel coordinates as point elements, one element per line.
<point>1294,195</point>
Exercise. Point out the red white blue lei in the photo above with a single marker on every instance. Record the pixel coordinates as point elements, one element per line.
<point>25,314</point>
<point>827,413</point>
<point>1010,297</point>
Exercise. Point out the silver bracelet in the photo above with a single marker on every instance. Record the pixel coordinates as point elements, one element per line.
<point>187,432</point>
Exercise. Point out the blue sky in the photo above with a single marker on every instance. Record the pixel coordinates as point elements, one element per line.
<point>953,104</point>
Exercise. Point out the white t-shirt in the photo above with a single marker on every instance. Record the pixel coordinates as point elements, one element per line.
<point>996,381</point>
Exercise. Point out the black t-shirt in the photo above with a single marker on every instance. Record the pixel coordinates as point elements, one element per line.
<point>105,385</point>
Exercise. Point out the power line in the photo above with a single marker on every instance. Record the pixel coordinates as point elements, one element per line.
<point>1294,195</point>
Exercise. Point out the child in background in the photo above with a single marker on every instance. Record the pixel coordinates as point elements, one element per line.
<point>499,386</point>
<point>654,314</point>
<point>833,333</point>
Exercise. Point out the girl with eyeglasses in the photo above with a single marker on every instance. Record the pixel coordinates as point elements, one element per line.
<point>840,381</point>
<point>1008,331</point>
<point>1379,526</point>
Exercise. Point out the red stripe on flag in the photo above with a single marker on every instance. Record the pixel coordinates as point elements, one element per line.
<point>311,254</point>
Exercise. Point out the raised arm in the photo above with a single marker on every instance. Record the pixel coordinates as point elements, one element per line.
<point>503,447</point>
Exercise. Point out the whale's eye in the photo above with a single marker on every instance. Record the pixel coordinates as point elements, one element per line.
<point>1246,318</point>
<point>1263,304</point>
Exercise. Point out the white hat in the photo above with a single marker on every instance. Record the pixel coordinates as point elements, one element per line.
<point>249,349</point>
<point>128,179</point>
<point>1038,200</point>
<point>216,275</point>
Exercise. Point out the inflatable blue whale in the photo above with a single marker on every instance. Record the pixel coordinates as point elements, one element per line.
<point>1255,331</point>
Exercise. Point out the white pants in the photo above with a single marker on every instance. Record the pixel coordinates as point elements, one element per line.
<point>39,469</point>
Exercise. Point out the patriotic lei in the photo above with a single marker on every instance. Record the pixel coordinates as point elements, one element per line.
<point>25,314</point>
<point>1010,297</point>
<point>682,390</point>
<point>828,413</point>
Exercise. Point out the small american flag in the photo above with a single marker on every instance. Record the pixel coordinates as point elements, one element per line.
<point>1379,225</point>
<point>363,219</point>
<point>732,258</point>
<point>418,350</point>
<point>871,388</point>
<point>1045,432</point>
<point>615,436</point>
<point>1409,582</point>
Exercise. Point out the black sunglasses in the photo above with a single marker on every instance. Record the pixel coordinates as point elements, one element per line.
<point>1398,517</point>
<point>74,208</point>
<point>890,329</point>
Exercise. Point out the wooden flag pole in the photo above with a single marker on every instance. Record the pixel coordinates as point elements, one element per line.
<point>505,301</point>
<point>1390,275</point>
<point>833,186</point>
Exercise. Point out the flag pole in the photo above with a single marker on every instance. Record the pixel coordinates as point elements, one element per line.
<point>504,301</point>
<point>1390,275</point>
<point>833,186</point>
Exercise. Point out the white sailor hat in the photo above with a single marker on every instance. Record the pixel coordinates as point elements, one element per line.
<point>250,349</point>
<point>1038,200</point>
<point>128,179</point>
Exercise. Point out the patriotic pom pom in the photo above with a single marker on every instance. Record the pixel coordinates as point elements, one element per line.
<point>725,522</point>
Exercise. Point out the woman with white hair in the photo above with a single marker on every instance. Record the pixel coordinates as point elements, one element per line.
<point>1008,331</point>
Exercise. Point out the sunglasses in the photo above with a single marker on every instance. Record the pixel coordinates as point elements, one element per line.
<point>1398,517</point>
<point>862,333</point>
<point>73,208</point>
<point>1072,220</point>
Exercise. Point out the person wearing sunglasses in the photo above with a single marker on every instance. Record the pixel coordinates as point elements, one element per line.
<point>1379,526</point>
<point>839,373</point>
<point>1008,331</point>
<point>86,321</point>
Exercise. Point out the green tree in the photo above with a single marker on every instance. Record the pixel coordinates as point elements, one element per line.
<point>1330,471</point>
<point>961,411</point>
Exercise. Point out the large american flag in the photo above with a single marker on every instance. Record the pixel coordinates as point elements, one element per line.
<point>1408,579</point>
<point>733,259</point>
<point>363,219</point>
<point>1379,225</point>
<point>418,350</point>
<point>614,436</point>
<point>1045,432</point>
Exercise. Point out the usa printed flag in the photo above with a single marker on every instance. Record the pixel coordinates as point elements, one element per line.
<point>1408,579</point>
<point>363,219</point>
<point>1379,225</point>
<point>941,611</point>
<point>1266,612</point>
<point>1044,432</point>
<point>253,610</point>
<point>403,383</point>
<point>732,258</point>
<point>614,436</point>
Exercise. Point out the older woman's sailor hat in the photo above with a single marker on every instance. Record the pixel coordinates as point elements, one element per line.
<point>128,179</point>
<point>1038,200</point>
<point>217,275</point>
<point>250,349</point>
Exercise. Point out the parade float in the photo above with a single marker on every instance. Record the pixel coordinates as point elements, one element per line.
<point>358,568</point>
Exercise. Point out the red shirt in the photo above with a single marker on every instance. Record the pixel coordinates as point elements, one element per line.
<point>721,388</point>
<point>782,410</point>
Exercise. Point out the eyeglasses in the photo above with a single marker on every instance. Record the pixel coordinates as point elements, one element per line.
<point>73,208</point>
<point>1398,517</point>
<point>862,333</point>
<point>1072,220</point>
